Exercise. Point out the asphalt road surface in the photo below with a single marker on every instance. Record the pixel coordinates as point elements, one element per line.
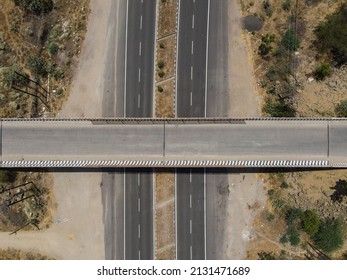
<point>128,89</point>
<point>191,102</point>
<point>139,103</point>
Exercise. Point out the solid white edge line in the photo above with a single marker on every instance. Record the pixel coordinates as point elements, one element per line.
<point>177,37</point>
<point>176,213</point>
<point>205,228</point>
<point>154,186</point>
<point>208,31</point>
<point>124,237</point>
<point>125,60</point>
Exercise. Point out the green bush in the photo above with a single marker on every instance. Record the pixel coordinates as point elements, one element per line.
<point>271,74</point>
<point>341,109</point>
<point>37,65</point>
<point>322,71</point>
<point>286,5</point>
<point>161,73</point>
<point>293,236</point>
<point>290,40</point>
<point>266,255</point>
<point>37,7</point>
<point>271,192</point>
<point>161,45</point>
<point>276,108</point>
<point>329,236</point>
<point>284,239</point>
<point>161,64</point>
<point>7,176</point>
<point>332,35</point>
<point>10,77</point>
<point>264,50</point>
<point>270,217</point>
<point>278,204</point>
<point>268,8</point>
<point>53,48</point>
<point>310,222</point>
<point>292,215</point>
<point>160,89</point>
<point>284,185</point>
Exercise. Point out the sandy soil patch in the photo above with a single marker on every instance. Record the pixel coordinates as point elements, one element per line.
<point>167,17</point>
<point>164,215</point>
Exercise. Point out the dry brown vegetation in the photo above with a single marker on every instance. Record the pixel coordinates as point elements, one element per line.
<point>164,212</point>
<point>55,38</point>
<point>26,205</point>
<point>310,98</point>
<point>165,64</point>
<point>13,254</point>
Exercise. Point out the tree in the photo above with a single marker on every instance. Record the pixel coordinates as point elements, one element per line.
<point>332,35</point>
<point>341,109</point>
<point>37,65</point>
<point>310,222</point>
<point>329,236</point>
<point>290,40</point>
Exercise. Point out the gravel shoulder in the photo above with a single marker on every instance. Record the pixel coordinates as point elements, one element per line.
<point>245,196</point>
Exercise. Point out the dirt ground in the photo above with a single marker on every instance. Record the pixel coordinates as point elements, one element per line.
<point>78,230</point>
<point>309,190</point>
<point>246,198</point>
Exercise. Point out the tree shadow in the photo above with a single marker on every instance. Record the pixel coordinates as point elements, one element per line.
<point>340,191</point>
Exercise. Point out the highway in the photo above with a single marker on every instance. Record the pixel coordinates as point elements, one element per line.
<point>191,97</point>
<point>138,98</point>
<point>128,88</point>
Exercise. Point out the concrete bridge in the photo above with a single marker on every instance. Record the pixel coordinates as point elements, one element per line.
<point>213,142</point>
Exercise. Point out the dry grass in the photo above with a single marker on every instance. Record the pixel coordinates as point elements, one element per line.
<point>13,254</point>
<point>164,101</point>
<point>23,34</point>
<point>165,209</point>
<point>41,207</point>
<point>167,17</point>
<point>167,55</point>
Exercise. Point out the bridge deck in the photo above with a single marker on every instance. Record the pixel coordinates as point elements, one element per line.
<point>223,143</point>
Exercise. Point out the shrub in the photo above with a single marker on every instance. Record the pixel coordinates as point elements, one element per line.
<point>284,185</point>
<point>271,192</point>
<point>58,73</point>
<point>332,35</point>
<point>322,71</point>
<point>270,217</point>
<point>290,40</point>
<point>278,204</point>
<point>329,236</point>
<point>53,48</point>
<point>268,8</point>
<point>284,239</point>
<point>286,5</point>
<point>292,215</point>
<point>310,222</point>
<point>160,89</point>
<point>37,7</point>
<point>271,74</point>
<point>161,45</point>
<point>7,176</point>
<point>161,73</point>
<point>276,108</point>
<point>266,255</point>
<point>264,50</point>
<point>10,77</point>
<point>341,109</point>
<point>161,64</point>
<point>37,65</point>
<point>293,236</point>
